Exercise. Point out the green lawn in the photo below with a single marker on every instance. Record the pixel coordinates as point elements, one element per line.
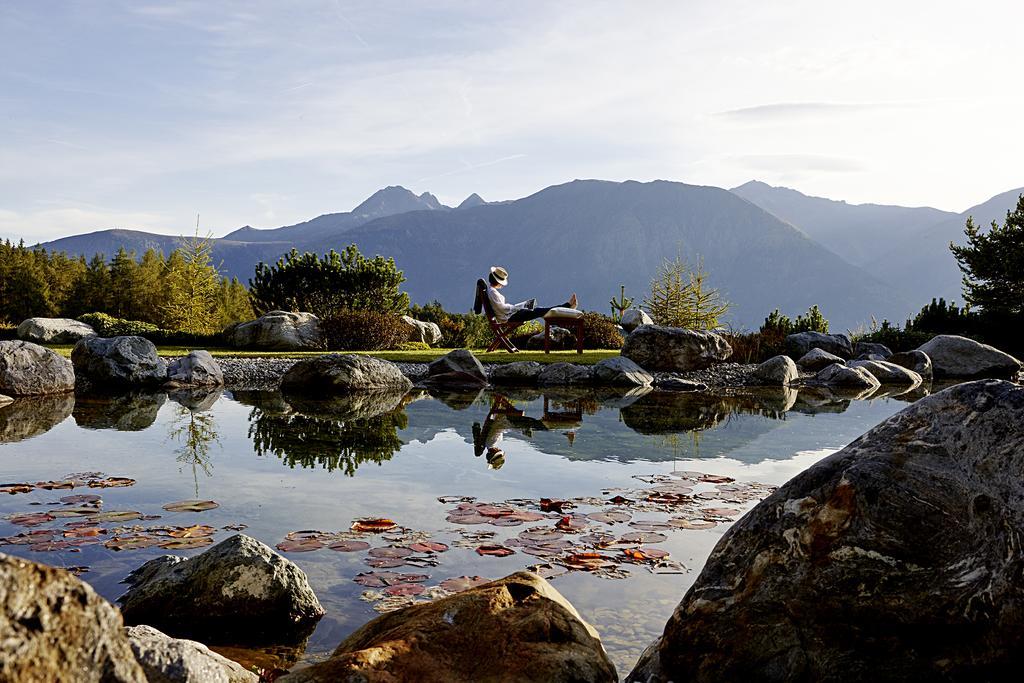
<point>419,356</point>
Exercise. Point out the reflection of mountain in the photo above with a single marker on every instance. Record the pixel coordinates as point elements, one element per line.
<point>33,415</point>
<point>336,434</point>
<point>131,412</point>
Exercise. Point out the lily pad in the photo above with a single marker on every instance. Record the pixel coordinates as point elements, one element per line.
<point>344,546</point>
<point>191,506</point>
<point>460,583</point>
<point>428,547</point>
<point>494,550</point>
<point>374,525</point>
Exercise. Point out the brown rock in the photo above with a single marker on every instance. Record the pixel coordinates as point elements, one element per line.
<point>515,629</point>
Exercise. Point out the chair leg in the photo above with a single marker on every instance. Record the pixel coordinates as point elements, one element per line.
<point>547,337</point>
<point>579,337</point>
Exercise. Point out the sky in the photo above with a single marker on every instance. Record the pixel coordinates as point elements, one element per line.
<point>143,115</point>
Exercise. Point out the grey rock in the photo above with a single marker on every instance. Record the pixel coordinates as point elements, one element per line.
<point>27,369</point>
<point>680,384</point>
<point>175,660</point>
<point>897,558</point>
<point>238,591</point>
<point>196,399</point>
<point>54,627</point>
<point>871,356</point>
<point>888,373</point>
<point>872,349</point>
<point>54,330</point>
<point>457,368</point>
<point>343,373</point>
<point>198,368</point>
<point>622,372</point>
<point>634,318</point>
<point>674,349</point>
<point>780,370</point>
<point>564,374</point>
<point>954,356</point>
<point>837,375</point>
<point>277,331</point>
<point>118,361</point>
<point>560,338</point>
<point>918,361</point>
<point>523,372</point>
<point>419,331</point>
<point>816,359</point>
<point>838,344</point>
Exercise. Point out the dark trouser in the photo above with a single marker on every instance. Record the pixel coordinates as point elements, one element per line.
<point>533,313</point>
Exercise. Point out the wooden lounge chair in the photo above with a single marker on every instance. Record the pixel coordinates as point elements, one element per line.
<point>502,331</point>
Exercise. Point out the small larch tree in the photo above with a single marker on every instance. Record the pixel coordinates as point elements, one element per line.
<point>192,287</point>
<point>680,297</point>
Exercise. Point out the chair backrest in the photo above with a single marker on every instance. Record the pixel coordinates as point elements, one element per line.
<point>482,303</point>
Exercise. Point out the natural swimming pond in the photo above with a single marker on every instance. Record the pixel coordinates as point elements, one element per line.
<point>641,473</point>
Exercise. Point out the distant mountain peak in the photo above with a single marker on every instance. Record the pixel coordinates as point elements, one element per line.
<point>471,201</point>
<point>396,199</point>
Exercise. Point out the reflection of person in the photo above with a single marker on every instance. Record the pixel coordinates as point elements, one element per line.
<point>516,313</point>
<point>502,416</point>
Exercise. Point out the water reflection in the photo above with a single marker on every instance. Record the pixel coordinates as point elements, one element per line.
<point>31,416</point>
<point>195,428</point>
<point>339,433</point>
<point>128,412</point>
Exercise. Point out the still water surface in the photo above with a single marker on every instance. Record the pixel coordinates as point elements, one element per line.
<point>278,466</point>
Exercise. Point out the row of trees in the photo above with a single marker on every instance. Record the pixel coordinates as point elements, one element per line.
<point>181,292</point>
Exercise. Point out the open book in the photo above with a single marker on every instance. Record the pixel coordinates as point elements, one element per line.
<point>529,304</point>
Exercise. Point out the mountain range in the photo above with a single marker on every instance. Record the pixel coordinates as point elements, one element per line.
<point>764,247</point>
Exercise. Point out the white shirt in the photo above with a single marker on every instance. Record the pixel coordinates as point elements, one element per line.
<point>502,310</point>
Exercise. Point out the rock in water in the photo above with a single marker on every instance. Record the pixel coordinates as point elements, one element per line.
<point>564,374</point>
<point>54,330</point>
<point>622,372</point>
<point>872,349</point>
<point>53,627</point>
<point>918,361</point>
<point>27,369</point>
<point>277,331</point>
<point>816,359</point>
<point>238,591</point>
<point>674,349</point>
<point>780,370</point>
<point>801,343</point>
<point>634,318</point>
<point>954,356</point>
<point>196,369</point>
<point>897,558</point>
<point>457,368</point>
<point>888,373</point>
<point>419,331</point>
<point>837,375</point>
<point>523,372</point>
<point>118,361</point>
<point>515,629</point>
<point>343,373</point>
<point>173,660</point>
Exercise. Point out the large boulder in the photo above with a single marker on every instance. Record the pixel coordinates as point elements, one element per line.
<point>918,361</point>
<point>673,349</point>
<point>816,359</point>
<point>621,372</point>
<point>897,558</point>
<point>871,349</point>
<point>564,374</point>
<point>118,361</point>
<point>54,330</point>
<point>559,338</point>
<point>888,373</point>
<point>800,343</point>
<point>238,591</point>
<point>457,368</point>
<point>634,318</point>
<point>837,375</point>
<point>777,371</point>
<point>954,356</point>
<point>198,368</point>
<point>344,373</point>
<point>419,331</point>
<point>173,660</point>
<point>522,372</point>
<point>516,629</point>
<point>54,627</point>
<point>27,369</point>
<point>277,331</point>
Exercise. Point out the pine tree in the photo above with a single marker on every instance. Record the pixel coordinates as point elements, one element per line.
<point>123,272</point>
<point>192,286</point>
<point>992,264</point>
<point>680,297</point>
<point>148,288</point>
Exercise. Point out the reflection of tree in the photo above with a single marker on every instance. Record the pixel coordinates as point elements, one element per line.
<point>196,430</point>
<point>328,436</point>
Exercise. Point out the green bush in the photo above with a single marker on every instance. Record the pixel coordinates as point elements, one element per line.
<point>525,331</point>
<point>600,332</point>
<point>109,326</point>
<point>778,324</point>
<point>458,330</point>
<point>364,331</point>
<point>895,338</point>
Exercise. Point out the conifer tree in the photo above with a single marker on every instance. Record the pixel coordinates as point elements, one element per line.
<point>192,288</point>
<point>992,264</point>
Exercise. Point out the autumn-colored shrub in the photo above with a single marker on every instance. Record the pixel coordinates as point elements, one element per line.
<point>363,331</point>
<point>600,332</point>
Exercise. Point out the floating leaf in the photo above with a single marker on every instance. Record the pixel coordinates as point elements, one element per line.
<point>31,519</point>
<point>458,584</point>
<point>554,504</point>
<point>76,570</point>
<point>620,500</point>
<point>390,553</point>
<point>547,571</point>
<point>51,485</point>
<point>115,516</point>
<point>715,479</point>
<point>384,562</point>
<point>74,512</point>
<point>447,500</point>
<point>344,546</point>
<point>84,532</point>
<point>186,543</point>
<point>235,527</point>
<point>541,535</point>
<point>130,542</point>
<point>196,531</point>
<point>300,545</point>
<point>191,506</point>
<point>645,554</point>
<point>16,488</point>
<point>683,523</point>
<point>381,579</point>
<point>111,482</point>
<point>649,525</point>
<point>571,523</point>
<point>610,517</point>
<point>82,499</point>
<point>643,537</point>
<point>494,550</point>
<point>374,525</point>
<point>428,547</point>
<point>405,589</point>
<point>49,546</point>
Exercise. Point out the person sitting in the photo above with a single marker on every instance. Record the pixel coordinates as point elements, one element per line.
<point>515,313</point>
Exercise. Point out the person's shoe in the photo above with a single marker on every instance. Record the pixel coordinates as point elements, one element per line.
<point>573,301</point>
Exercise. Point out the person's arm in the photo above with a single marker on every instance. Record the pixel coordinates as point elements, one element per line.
<point>498,304</point>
